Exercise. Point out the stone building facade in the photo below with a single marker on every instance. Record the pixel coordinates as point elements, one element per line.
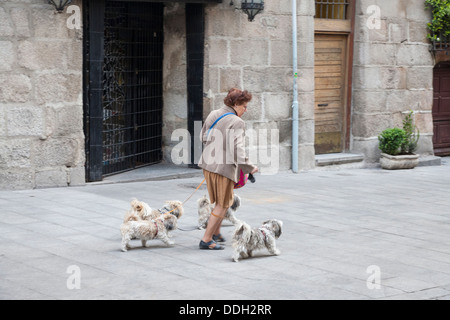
<point>53,116</point>
<point>41,106</point>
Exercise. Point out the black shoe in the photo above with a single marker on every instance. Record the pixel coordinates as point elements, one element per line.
<point>209,245</point>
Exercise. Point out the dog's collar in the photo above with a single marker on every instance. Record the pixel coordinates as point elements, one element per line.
<point>262,231</point>
<point>156,225</point>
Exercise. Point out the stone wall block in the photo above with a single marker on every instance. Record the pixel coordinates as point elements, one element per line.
<point>46,23</point>
<point>417,32</point>
<point>217,52</point>
<point>64,120</point>
<point>285,132</point>
<point>6,27</point>
<point>370,101</point>
<point>368,147</point>
<point>306,131</point>
<point>20,19</point>
<point>277,106</point>
<point>306,7</point>
<point>223,22</point>
<point>420,78</point>
<point>2,121</point>
<point>414,55</point>
<point>56,152</point>
<point>249,52</point>
<point>256,107</point>
<point>15,88</point>
<point>393,78</point>
<point>306,103</point>
<point>305,55</point>
<point>53,88</point>
<point>424,122</point>
<point>25,121</point>
<point>367,78</point>
<point>267,79</point>
<point>51,178</point>
<point>280,53</point>
<point>15,153</point>
<point>7,55</point>
<point>414,12</point>
<point>306,157</point>
<point>371,125</point>
<point>16,179</point>
<point>230,78</point>
<point>76,176</point>
<point>39,55</point>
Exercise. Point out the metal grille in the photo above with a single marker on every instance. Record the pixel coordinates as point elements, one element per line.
<point>332,9</point>
<point>442,43</point>
<point>132,85</point>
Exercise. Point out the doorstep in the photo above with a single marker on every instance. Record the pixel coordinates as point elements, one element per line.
<point>156,172</point>
<point>323,160</point>
<point>427,161</point>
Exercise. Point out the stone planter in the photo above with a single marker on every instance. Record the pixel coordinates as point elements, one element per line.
<point>399,162</point>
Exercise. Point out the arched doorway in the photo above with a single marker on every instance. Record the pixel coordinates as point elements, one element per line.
<point>441,109</point>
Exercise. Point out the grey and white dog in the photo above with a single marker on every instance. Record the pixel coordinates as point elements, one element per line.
<point>205,209</point>
<point>136,228</point>
<point>246,240</point>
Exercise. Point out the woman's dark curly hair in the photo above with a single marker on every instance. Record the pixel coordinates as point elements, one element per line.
<point>237,97</point>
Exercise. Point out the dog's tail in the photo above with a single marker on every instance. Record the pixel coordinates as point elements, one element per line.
<point>136,205</point>
<point>236,203</point>
<point>242,233</point>
<point>131,216</point>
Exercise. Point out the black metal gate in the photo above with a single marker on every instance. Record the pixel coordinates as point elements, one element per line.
<point>132,85</point>
<point>124,56</point>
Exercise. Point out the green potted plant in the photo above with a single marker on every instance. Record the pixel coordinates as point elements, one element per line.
<point>440,23</point>
<point>398,146</point>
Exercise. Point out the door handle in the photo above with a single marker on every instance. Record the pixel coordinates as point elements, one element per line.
<point>323,105</point>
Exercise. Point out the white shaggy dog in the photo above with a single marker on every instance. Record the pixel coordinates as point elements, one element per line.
<point>144,223</point>
<point>147,230</point>
<point>205,209</point>
<point>246,239</point>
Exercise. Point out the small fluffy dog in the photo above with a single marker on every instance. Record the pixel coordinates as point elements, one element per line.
<point>145,212</point>
<point>139,211</point>
<point>246,239</point>
<point>205,209</point>
<point>175,208</point>
<point>136,228</point>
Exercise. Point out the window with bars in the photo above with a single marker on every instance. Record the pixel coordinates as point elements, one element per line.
<point>332,9</point>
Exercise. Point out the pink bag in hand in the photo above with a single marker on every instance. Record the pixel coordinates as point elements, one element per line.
<point>243,178</point>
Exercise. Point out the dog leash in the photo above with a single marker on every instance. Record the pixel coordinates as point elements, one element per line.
<point>187,199</point>
<point>194,191</point>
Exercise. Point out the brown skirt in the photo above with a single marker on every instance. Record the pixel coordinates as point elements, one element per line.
<point>220,189</point>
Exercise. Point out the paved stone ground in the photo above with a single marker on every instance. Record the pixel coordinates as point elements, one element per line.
<point>342,229</point>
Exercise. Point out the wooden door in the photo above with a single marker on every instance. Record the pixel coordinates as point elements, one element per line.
<point>330,90</point>
<point>441,109</point>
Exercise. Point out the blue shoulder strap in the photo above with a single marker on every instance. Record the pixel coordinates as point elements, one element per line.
<point>215,122</point>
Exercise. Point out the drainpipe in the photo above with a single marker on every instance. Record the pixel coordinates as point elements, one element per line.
<point>295,93</point>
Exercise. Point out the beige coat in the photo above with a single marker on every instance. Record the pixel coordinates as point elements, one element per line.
<point>224,150</point>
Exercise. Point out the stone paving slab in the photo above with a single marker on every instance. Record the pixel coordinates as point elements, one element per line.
<point>338,226</point>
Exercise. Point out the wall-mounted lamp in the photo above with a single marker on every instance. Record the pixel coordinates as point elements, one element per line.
<point>251,7</point>
<point>59,4</point>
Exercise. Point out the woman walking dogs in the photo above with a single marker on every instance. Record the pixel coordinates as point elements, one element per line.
<point>222,160</point>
